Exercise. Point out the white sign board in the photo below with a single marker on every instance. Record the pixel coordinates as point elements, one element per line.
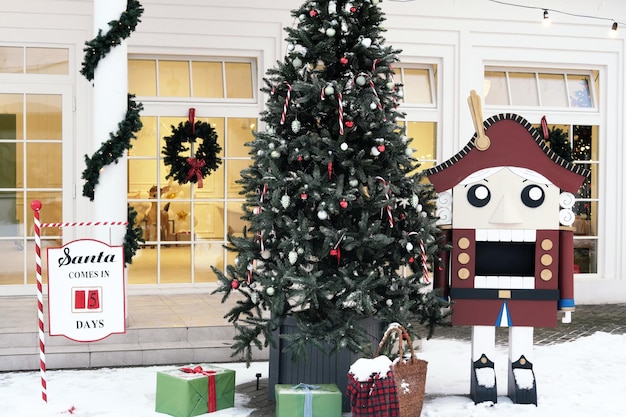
<point>86,294</point>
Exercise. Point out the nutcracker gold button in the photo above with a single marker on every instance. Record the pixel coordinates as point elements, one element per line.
<point>546,260</point>
<point>547,244</point>
<point>463,273</point>
<point>464,243</point>
<point>464,258</point>
<point>546,275</point>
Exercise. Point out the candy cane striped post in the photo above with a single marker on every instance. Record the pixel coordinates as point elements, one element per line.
<point>424,261</point>
<point>36,207</point>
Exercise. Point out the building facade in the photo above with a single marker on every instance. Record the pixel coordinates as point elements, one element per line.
<point>212,56</point>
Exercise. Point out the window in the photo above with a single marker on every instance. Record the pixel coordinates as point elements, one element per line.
<point>185,226</point>
<point>540,88</point>
<point>567,93</point>
<point>418,102</point>
<point>33,126</point>
<point>418,85</point>
<point>192,78</point>
<point>30,60</point>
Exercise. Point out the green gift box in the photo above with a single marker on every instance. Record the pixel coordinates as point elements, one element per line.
<point>324,400</point>
<point>190,391</point>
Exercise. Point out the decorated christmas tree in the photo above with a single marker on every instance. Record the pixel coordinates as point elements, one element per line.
<point>341,225</point>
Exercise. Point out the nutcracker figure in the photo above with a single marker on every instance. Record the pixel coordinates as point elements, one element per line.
<point>505,207</point>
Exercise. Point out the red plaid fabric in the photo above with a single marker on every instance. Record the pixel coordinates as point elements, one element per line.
<point>376,397</point>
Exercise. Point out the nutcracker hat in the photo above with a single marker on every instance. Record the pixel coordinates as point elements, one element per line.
<point>508,140</point>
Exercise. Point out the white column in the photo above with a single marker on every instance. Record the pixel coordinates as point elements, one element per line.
<point>109,108</point>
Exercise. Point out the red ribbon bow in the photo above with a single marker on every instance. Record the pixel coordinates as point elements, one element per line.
<point>195,166</point>
<point>210,374</point>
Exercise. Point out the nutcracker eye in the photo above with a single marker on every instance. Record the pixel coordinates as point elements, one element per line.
<point>478,195</point>
<point>533,196</point>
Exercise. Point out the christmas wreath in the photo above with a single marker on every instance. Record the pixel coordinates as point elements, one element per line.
<point>203,158</point>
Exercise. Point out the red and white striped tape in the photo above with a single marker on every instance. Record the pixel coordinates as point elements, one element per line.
<point>74,224</point>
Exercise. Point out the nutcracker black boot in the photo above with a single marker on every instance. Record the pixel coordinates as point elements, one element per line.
<point>483,385</point>
<point>522,384</point>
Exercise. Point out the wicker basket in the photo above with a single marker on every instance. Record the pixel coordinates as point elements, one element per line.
<point>409,375</point>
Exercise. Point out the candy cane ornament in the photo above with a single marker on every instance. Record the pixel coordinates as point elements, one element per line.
<point>286,105</point>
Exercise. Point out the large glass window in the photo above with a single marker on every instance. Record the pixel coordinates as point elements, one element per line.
<point>31,156</point>
<point>30,60</point>
<point>185,227</point>
<point>567,93</point>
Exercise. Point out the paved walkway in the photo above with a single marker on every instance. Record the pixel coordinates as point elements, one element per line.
<point>586,320</point>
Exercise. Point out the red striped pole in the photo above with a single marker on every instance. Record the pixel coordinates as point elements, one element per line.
<point>72,224</point>
<point>36,206</point>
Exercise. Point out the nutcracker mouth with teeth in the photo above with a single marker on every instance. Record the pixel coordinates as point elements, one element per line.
<point>505,207</point>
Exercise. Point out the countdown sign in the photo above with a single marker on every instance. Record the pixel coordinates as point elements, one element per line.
<point>86,293</point>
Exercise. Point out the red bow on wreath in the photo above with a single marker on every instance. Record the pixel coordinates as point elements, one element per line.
<point>195,166</point>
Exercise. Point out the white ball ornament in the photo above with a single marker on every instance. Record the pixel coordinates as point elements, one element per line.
<point>260,152</point>
<point>360,80</point>
<point>322,215</point>
<point>297,63</point>
<point>374,151</point>
<point>302,17</point>
<point>408,151</point>
<point>291,47</point>
<point>275,154</point>
<point>270,291</point>
<point>354,182</point>
<point>373,105</point>
<point>266,254</point>
<point>330,32</point>
<point>329,90</point>
<point>375,2</point>
<point>390,85</point>
<point>300,251</point>
<point>409,246</point>
<point>344,146</point>
<point>389,302</point>
<point>366,42</point>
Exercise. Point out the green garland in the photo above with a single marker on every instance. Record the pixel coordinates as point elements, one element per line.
<point>113,149</point>
<point>101,45</point>
<point>134,234</point>
<point>191,169</point>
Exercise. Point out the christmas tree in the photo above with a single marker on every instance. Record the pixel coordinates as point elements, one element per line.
<point>341,226</point>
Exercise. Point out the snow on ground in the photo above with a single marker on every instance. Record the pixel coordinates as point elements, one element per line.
<point>586,377</point>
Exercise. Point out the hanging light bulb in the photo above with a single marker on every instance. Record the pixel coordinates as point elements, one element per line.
<point>546,18</point>
<point>613,32</point>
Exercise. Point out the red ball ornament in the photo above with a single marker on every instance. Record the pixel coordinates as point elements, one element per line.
<point>350,124</point>
<point>381,148</point>
<point>300,158</point>
<point>353,9</point>
<point>343,60</point>
<point>234,284</point>
<point>313,13</point>
<point>303,196</point>
<point>343,204</point>
<point>411,260</point>
<point>333,252</point>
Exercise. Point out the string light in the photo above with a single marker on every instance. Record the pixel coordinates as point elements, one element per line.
<point>546,17</point>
